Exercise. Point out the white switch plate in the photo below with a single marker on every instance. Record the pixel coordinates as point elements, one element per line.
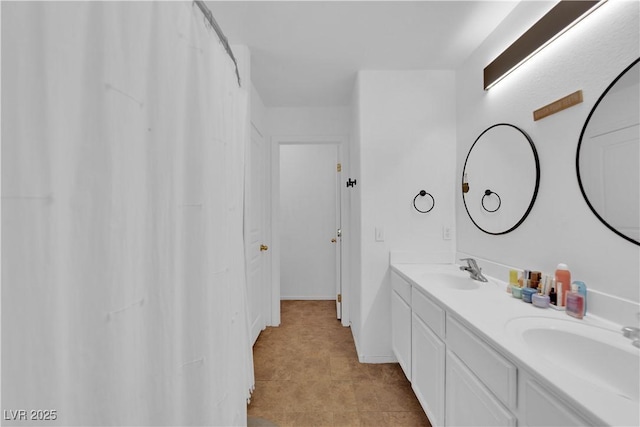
<point>379,234</point>
<point>446,232</point>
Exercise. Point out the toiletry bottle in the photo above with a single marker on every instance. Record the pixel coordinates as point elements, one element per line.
<point>526,275</point>
<point>545,285</point>
<point>513,279</point>
<point>535,279</point>
<point>553,297</point>
<point>575,303</point>
<point>559,292</point>
<point>513,276</point>
<point>563,275</point>
<point>582,290</point>
<point>521,280</point>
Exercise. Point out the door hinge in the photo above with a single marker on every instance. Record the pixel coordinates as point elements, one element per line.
<point>339,297</point>
<point>339,167</point>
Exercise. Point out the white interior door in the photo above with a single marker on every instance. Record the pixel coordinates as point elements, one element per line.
<point>256,248</point>
<point>309,220</point>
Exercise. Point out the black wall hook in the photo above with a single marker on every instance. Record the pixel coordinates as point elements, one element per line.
<point>423,193</point>
<point>351,182</point>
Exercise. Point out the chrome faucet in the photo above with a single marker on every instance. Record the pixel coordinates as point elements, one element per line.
<point>632,333</point>
<point>473,269</point>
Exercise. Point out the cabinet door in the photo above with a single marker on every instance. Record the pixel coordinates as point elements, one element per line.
<point>427,370</point>
<point>401,332</point>
<point>542,409</point>
<point>468,402</point>
<point>490,367</point>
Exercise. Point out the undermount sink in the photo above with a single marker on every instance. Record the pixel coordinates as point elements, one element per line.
<point>600,356</point>
<point>452,279</point>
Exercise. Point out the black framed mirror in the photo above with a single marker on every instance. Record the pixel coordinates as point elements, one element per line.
<point>608,156</point>
<point>500,179</point>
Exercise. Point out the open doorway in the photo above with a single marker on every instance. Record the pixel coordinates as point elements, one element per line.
<point>307,216</point>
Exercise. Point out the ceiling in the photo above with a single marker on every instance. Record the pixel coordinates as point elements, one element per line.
<point>307,53</point>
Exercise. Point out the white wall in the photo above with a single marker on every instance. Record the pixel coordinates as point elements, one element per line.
<point>309,121</point>
<point>560,227</point>
<point>258,114</point>
<point>406,144</point>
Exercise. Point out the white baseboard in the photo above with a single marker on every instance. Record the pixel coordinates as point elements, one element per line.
<point>377,359</point>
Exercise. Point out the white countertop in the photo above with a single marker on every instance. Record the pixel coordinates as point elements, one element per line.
<point>488,309</point>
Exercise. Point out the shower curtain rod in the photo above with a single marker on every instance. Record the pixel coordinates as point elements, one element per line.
<point>209,17</point>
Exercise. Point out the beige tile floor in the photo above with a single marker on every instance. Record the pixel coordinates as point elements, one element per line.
<point>307,374</point>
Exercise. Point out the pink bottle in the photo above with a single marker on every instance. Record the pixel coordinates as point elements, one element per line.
<point>563,275</point>
<point>575,303</point>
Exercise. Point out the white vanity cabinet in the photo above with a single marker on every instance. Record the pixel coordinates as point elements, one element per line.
<point>401,322</point>
<point>428,367</point>
<point>460,376</point>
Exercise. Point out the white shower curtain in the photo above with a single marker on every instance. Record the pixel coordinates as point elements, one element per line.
<point>123,283</point>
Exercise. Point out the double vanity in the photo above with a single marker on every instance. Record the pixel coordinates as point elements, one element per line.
<point>477,356</point>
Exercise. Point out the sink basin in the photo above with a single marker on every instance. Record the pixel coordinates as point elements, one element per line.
<point>600,356</point>
<point>452,279</point>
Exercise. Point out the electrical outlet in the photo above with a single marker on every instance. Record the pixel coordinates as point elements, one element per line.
<point>379,234</point>
<point>446,232</point>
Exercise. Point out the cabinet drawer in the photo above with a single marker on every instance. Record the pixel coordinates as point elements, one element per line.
<point>401,286</point>
<point>428,311</point>
<point>496,372</point>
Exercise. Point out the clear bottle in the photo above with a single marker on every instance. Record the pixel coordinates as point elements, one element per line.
<point>563,275</point>
<point>575,303</point>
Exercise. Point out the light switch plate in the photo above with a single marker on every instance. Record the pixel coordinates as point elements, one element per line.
<point>379,234</point>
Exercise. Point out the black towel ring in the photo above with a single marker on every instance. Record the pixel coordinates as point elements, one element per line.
<point>424,193</point>
<point>488,193</point>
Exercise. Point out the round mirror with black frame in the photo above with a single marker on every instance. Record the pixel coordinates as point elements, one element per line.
<point>500,179</point>
<point>608,156</point>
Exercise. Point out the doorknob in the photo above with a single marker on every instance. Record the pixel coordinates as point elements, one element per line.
<point>264,248</point>
<point>333,240</point>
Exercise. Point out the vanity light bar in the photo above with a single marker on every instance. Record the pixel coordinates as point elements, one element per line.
<point>563,16</point>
